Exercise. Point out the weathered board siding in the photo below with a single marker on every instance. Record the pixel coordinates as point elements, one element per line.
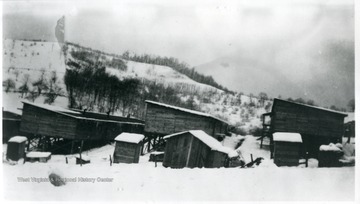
<point>40,121</point>
<point>317,126</point>
<point>216,159</point>
<point>11,127</point>
<point>350,129</point>
<point>164,120</point>
<point>188,151</point>
<point>292,117</point>
<point>96,130</point>
<point>176,151</point>
<point>127,152</point>
<point>15,151</point>
<point>286,153</point>
<point>36,120</point>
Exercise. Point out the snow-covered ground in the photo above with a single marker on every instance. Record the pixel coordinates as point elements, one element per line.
<point>145,182</point>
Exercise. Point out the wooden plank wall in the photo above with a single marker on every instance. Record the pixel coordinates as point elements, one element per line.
<point>40,121</point>
<point>176,151</point>
<point>96,130</point>
<point>126,152</point>
<point>288,117</point>
<point>163,120</point>
<point>199,153</point>
<point>216,159</point>
<point>10,128</point>
<point>43,122</point>
<point>286,153</point>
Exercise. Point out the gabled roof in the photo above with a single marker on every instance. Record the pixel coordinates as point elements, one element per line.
<point>207,139</point>
<point>130,137</point>
<point>313,107</point>
<point>185,110</point>
<point>51,108</point>
<point>75,114</point>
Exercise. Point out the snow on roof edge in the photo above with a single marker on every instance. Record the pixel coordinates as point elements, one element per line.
<point>287,137</point>
<point>129,137</point>
<point>208,140</point>
<point>185,110</point>
<point>18,139</point>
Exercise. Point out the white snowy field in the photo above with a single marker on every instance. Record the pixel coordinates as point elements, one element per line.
<point>145,182</point>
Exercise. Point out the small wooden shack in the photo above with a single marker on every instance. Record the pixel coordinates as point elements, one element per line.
<point>163,119</point>
<point>287,147</point>
<point>195,148</point>
<point>16,148</point>
<point>57,122</point>
<point>128,148</point>
<point>316,125</point>
<point>329,155</point>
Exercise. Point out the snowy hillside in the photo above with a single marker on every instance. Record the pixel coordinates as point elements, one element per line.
<point>28,61</point>
<point>22,58</point>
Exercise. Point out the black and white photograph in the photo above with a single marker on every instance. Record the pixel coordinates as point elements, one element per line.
<point>179,101</point>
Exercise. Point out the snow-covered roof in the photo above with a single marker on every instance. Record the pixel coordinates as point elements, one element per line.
<point>18,139</point>
<point>185,110</point>
<point>287,137</point>
<point>38,154</point>
<point>208,140</point>
<point>315,107</point>
<point>350,117</point>
<point>129,137</point>
<point>331,147</point>
<point>51,108</point>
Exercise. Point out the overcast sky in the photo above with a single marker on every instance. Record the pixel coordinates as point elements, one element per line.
<point>196,32</point>
<point>292,33</point>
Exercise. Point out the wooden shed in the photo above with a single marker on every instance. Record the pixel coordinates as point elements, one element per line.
<point>163,119</point>
<point>287,147</point>
<point>349,129</point>
<point>11,125</point>
<point>195,148</point>
<point>128,148</point>
<point>53,121</point>
<point>316,125</point>
<point>16,148</point>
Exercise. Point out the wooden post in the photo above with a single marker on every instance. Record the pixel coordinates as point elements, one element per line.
<point>110,160</point>
<point>66,160</point>
<point>307,159</point>
<point>81,147</point>
<point>252,160</point>
<point>155,160</point>
<point>28,145</point>
<point>142,148</point>
<point>148,149</point>
<point>72,147</point>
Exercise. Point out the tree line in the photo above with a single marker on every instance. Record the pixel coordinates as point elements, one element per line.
<point>91,88</point>
<point>47,86</point>
<point>174,63</point>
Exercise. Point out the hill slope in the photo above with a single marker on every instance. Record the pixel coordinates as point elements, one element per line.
<point>33,60</point>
